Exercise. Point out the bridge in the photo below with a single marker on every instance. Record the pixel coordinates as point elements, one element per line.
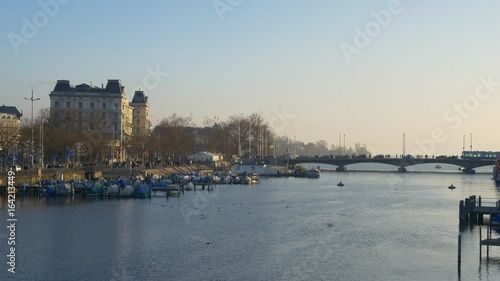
<point>467,165</point>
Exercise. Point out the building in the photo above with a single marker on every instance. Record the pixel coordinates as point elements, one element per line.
<point>204,157</point>
<point>100,108</point>
<point>10,117</point>
<point>10,127</point>
<point>140,118</point>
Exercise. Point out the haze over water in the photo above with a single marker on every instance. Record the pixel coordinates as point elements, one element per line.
<point>379,226</point>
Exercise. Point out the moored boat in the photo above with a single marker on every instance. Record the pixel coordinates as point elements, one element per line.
<point>312,173</point>
<point>254,177</point>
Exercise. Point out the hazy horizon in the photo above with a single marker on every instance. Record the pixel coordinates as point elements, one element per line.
<point>368,70</point>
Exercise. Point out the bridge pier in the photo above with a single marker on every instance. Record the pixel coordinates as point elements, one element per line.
<point>340,169</point>
<point>469,171</point>
<point>402,169</point>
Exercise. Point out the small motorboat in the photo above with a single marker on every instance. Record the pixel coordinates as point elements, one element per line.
<point>340,184</point>
<point>437,167</point>
<point>451,186</point>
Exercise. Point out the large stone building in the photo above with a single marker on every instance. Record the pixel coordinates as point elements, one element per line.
<point>104,108</point>
<point>10,126</point>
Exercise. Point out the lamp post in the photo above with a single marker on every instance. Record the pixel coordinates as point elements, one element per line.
<point>404,144</point>
<point>344,146</point>
<point>32,129</point>
<point>470,141</point>
<point>41,142</point>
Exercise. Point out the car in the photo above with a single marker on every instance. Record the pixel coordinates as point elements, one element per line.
<point>15,168</point>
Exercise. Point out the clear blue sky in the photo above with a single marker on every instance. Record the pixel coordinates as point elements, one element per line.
<point>275,56</point>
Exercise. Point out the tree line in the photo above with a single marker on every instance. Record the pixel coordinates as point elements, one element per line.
<point>67,140</point>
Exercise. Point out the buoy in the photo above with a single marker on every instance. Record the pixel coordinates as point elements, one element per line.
<point>340,184</point>
<point>451,186</point>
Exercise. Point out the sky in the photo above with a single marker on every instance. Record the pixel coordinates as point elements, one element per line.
<point>376,72</point>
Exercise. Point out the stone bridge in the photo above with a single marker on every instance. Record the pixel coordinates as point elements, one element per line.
<point>467,165</point>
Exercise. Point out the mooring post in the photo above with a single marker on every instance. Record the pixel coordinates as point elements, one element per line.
<point>459,250</point>
<point>461,211</point>
<point>467,209</point>
<point>480,244</point>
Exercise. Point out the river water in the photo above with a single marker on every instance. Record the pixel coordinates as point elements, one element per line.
<point>379,226</point>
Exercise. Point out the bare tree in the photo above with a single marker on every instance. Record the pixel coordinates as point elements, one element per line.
<point>9,138</point>
<point>176,134</point>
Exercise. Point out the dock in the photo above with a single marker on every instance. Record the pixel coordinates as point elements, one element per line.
<point>472,211</point>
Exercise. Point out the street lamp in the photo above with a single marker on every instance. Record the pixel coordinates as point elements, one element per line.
<point>32,129</point>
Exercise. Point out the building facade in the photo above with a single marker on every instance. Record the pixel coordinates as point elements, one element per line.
<point>10,129</point>
<point>100,108</point>
<point>140,118</point>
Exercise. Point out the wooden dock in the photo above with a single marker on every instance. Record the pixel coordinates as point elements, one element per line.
<point>473,209</point>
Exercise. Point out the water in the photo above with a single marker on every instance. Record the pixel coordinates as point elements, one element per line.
<point>379,226</point>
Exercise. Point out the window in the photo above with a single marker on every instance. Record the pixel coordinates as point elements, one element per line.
<point>115,115</point>
<point>115,106</point>
<point>56,103</point>
<point>138,113</point>
<point>92,105</point>
<point>68,104</point>
<point>80,104</point>
<point>137,122</point>
<point>103,105</point>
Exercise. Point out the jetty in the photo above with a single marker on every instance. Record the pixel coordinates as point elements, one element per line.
<point>472,211</point>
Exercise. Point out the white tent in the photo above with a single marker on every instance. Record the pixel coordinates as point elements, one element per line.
<point>203,157</point>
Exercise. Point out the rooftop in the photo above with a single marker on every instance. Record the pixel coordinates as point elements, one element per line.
<point>113,86</point>
<point>10,110</point>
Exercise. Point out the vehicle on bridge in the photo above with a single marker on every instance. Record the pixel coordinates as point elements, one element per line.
<point>477,155</point>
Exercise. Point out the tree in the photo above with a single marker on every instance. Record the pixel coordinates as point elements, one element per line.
<point>9,138</point>
<point>310,149</point>
<point>322,148</point>
<point>176,137</point>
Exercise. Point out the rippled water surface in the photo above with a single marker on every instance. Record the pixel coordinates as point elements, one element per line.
<point>379,226</point>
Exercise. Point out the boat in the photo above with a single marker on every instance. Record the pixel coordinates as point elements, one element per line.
<point>340,184</point>
<point>254,177</point>
<point>142,190</point>
<point>189,186</point>
<point>437,167</point>
<point>245,180</point>
<point>300,172</point>
<point>128,191</point>
<point>312,173</point>
<point>451,187</point>
<point>235,180</point>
